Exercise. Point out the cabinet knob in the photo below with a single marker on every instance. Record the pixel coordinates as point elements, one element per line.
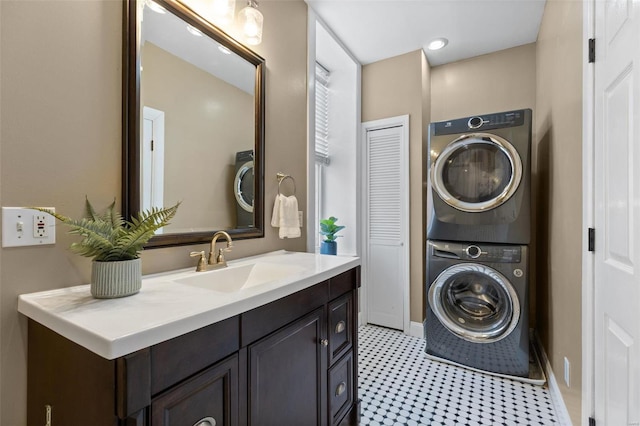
<point>207,421</point>
<point>324,342</point>
<point>341,388</point>
<point>340,327</point>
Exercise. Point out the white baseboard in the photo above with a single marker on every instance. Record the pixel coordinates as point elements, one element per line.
<point>554,390</point>
<point>416,329</point>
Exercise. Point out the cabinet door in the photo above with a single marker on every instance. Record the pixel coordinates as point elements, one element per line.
<point>287,375</point>
<point>208,399</point>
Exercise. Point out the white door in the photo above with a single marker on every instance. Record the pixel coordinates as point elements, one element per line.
<point>152,173</point>
<point>617,213</point>
<point>387,218</point>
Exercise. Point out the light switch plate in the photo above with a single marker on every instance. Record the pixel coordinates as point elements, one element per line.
<point>27,227</point>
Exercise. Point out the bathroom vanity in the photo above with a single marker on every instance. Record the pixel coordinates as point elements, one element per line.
<point>269,340</point>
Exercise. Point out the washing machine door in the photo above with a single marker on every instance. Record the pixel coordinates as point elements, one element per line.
<point>477,172</point>
<point>243,186</point>
<point>475,302</point>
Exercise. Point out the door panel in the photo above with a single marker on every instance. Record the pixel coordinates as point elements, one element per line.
<point>617,213</point>
<point>387,208</point>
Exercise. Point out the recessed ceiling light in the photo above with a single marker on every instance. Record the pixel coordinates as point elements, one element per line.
<point>194,31</point>
<point>437,43</point>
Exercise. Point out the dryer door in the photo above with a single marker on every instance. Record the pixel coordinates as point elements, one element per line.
<point>477,172</point>
<point>243,186</point>
<point>475,302</point>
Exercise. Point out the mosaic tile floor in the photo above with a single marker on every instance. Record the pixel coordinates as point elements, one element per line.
<point>400,386</point>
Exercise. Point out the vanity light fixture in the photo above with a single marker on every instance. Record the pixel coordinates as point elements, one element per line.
<point>437,44</point>
<point>155,7</point>
<point>250,20</point>
<point>223,11</point>
<point>193,30</point>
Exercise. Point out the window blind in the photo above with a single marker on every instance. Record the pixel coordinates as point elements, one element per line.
<point>322,114</point>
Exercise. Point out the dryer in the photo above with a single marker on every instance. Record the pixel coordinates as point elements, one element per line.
<point>480,178</point>
<point>477,311</point>
<point>243,189</point>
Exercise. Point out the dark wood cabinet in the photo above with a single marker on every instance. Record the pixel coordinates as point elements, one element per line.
<point>289,362</point>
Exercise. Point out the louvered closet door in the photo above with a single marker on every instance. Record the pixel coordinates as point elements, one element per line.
<point>387,212</point>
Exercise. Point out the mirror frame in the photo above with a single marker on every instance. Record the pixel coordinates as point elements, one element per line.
<point>131,110</point>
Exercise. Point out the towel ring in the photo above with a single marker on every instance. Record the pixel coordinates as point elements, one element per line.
<point>281,177</point>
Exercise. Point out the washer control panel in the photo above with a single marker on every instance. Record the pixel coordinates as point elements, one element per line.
<point>480,122</point>
<point>477,251</point>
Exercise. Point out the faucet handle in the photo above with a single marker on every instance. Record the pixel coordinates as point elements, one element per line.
<point>202,262</point>
<point>220,259</point>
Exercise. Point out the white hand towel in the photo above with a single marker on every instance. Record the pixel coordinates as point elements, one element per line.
<point>289,223</point>
<point>275,216</point>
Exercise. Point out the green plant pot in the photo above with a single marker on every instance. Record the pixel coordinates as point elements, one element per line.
<point>328,247</point>
<point>110,280</point>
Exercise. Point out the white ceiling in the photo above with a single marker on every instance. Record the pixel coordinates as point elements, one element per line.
<point>378,29</point>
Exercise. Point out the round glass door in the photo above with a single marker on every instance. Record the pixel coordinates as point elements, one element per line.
<point>243,186</point>
<point>475,302</point>
<point>477,172</point>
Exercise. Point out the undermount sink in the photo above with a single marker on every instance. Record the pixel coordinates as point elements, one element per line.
<point>235,278</point>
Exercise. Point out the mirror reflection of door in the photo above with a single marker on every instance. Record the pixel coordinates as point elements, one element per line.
<point>152,155</point>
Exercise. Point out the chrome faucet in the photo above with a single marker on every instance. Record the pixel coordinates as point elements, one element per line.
<point>218,261</point>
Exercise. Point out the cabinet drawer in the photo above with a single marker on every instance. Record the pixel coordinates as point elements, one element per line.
<point>259,322</point>
<point>340,326</point>
<point>340,388</point>
<point>210,398</point>
<point>176,359</point>
<point>344,282</point>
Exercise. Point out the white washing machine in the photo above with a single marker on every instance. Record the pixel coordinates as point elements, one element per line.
<point>480,178</point>
<point>477,311</point>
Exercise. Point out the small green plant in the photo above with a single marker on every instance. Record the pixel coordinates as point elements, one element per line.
<point>329,229</point>
<point>108,237</point>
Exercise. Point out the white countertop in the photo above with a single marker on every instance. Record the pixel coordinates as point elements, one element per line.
<point>164,308</point>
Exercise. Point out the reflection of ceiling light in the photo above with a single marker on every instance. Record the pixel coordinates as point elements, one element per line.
<point>437,43</point>
<point>251,23</point>
<point>194,31</point>
<point>223,11</point>
<point>224,50</point>
<point>156,7</point>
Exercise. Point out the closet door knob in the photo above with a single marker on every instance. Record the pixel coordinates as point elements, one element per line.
<point>324,342</point>
<point>207,421</point>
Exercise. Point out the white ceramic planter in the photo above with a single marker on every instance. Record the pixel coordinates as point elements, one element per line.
<point>110,280</point>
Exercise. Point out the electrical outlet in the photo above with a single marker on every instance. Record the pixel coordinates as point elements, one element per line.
<point>27,227</point>
<point>567,371</point>
<point>300,218</point>
<point>40,229</point>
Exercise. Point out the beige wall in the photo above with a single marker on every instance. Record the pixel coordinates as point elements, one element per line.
<point>201,141</point>
<point>558,198</point>
<point>494,82</point>
<point>60,139</point>
<point>390,88</point>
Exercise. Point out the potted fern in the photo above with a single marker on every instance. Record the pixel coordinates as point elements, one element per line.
<point>114,244</point>
<point>329,229</point>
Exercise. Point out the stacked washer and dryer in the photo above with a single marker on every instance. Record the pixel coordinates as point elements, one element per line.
<point>478,234</point>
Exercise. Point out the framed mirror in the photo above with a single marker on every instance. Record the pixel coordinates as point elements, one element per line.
<point>193,124</point>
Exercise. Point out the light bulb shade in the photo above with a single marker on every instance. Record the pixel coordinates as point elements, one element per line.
<point>250,20</point>
<point>223,11</point>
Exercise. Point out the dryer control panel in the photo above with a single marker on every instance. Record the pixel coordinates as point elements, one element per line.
<point>485,122</point>
<point>477,251</point>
